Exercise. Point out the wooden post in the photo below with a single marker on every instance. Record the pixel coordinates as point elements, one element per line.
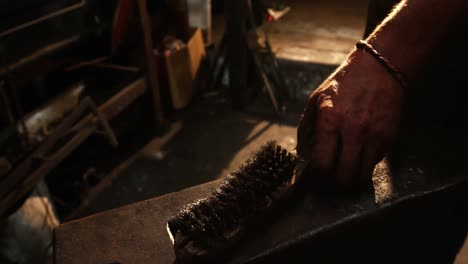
<point>236,44</point>
<point>151,66</point>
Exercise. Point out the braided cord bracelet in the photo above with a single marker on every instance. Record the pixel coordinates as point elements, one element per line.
<point>397,75</point>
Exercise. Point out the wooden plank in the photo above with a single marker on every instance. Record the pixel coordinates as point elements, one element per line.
<point>20,191</point>
<point>21,172</point>
<point>24,182</point>
<point>46,50</point>
<point>117,103</point>
<point>93,193</point>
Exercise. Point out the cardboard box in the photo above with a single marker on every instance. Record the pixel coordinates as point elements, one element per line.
<point>181,68</point>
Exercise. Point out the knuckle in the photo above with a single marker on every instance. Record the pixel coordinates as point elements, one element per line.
<point>356,130</point>
<point>328,118</point>
<point>326,111</point>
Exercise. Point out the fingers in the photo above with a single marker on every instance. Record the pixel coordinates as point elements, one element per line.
<point>373,153</point>
<point>325,147</point>
<point>369,159</point>
<point>306,128</point>
<point>349,162</point>
<point>318,134</point>
<point>320,101</point>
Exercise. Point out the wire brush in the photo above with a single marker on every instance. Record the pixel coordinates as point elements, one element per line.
<point>209,226</point>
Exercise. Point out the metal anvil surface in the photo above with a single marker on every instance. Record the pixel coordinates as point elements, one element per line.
<point>420,217</point>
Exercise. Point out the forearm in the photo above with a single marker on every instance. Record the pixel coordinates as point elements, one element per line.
<point>415,29</point>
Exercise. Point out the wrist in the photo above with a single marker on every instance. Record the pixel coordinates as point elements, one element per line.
<point>411,35</point>
<point>363,64</point>
<point>400,56</point>
<point>393,71</point>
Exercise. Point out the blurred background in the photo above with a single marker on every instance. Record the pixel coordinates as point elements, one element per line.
<point>106,103</point>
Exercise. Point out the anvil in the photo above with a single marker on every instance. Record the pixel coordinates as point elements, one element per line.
<point>412,214</point>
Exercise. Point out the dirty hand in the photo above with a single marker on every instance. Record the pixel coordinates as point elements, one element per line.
<point>351,119</point>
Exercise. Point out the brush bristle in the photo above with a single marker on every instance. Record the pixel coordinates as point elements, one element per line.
<point>210,221</point>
